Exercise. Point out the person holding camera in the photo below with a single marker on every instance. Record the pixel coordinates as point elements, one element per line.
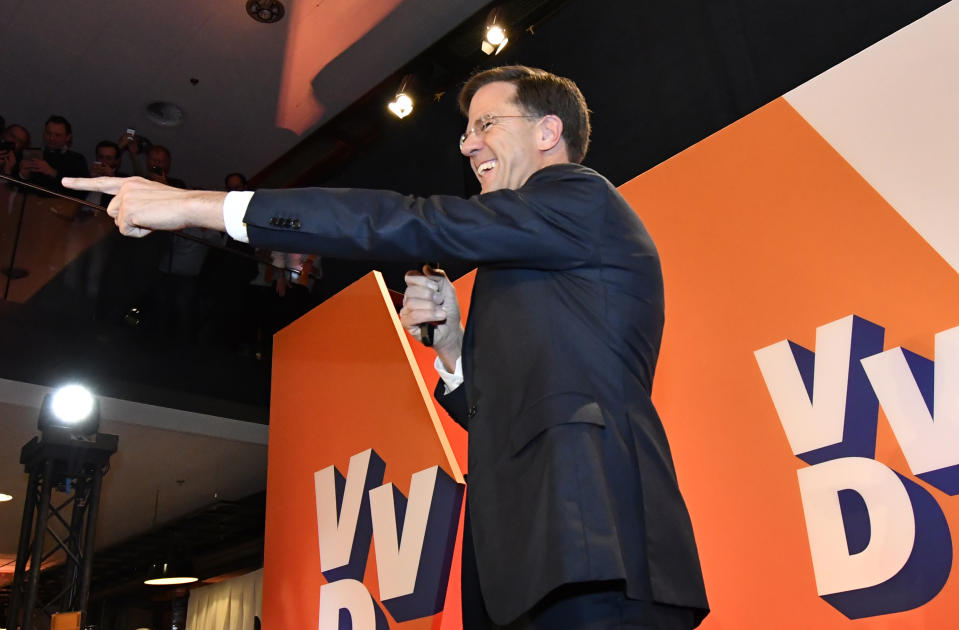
<point>12,141</point>
<point>56,161</point>
<point>106,163</point>
<point>107,160</point>
<point>159,161</point>
<point>133,144</point>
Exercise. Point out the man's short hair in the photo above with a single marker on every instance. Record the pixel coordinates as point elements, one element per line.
<point>161,149</point>
<point>104,144</point>
<point>60,120</point>
<point>226,180</point>
<point>540,92</point>
<point>23,131</point>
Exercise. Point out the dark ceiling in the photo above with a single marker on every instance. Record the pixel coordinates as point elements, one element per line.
<point>659,76</point>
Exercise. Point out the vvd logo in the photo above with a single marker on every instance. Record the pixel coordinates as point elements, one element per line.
<point>413,538</point>
<point>879,541</point>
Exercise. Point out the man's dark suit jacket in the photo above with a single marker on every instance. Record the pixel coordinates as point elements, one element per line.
<point>66,163</point>
<point>570,477</point>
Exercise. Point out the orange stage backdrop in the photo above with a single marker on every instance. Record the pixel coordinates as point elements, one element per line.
<point>766,234</point>
<point>345,382</point>
<point>808,381</point>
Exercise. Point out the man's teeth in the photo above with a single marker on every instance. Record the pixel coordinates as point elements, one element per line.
<point>485,166</point>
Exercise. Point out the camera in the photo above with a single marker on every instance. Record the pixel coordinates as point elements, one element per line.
<point>157,170</point>
<point>143,144</point>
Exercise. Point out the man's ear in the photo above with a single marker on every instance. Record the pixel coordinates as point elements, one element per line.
<point>550,132</point>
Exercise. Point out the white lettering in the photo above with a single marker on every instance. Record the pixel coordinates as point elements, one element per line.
<point>352,596</point>
<point>336,524</point>
<point>398,557</point>
<point>891,519</point>
<point>928,445</point>
<point>817,421</point>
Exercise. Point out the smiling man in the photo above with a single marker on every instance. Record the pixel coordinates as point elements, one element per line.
<point>575,518</point>
<point>58,160</point>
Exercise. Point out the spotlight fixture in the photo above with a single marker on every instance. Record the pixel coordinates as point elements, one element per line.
<point>265,11</point>
<point>71,409</point>
<point>495,39</point>
<point>402,104</point>
<point>5,497</point>
<point>70,456</point>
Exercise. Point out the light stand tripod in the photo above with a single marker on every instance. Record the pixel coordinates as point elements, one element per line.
<point>74,465</point>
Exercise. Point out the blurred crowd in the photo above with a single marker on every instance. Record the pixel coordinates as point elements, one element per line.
<point>187,286</point>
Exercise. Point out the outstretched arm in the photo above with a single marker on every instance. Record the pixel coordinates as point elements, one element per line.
<point>141,206</point>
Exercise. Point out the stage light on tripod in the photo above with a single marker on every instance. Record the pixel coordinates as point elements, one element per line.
<point>72,404</point>
<point>70,408</point>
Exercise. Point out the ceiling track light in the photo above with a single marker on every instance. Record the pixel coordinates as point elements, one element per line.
<point>265,11</point>
<point>494,39</point>
<point>402,104</point>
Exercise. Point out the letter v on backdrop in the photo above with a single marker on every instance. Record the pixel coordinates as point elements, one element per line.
<point>413,537</point>
<point>879,541</point>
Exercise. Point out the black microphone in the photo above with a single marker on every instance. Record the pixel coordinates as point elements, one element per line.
<point>428,329</point>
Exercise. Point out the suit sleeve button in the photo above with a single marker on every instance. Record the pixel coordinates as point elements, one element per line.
<point>296,224</point>
<point>471,412</point>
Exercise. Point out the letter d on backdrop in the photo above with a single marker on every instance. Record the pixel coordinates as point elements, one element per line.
<point>347,605</point>
<point>879,541</point>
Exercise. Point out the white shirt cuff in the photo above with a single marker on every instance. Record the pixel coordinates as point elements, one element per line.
<point>451,380</point>
<point>234,209</point>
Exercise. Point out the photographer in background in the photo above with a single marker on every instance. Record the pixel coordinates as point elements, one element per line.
<point>12,142</point>
<point>133,145</point>
<point>106,163</point>
<point>57,160</point>
<point>159,161</point>
<point>107,160</point>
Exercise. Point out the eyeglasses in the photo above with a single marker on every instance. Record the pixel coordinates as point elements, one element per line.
<point>482,125</point>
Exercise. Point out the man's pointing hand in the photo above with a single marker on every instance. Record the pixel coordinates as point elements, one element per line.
<point>140,206</point>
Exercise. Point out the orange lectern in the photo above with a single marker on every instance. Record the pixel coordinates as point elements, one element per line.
<point>364,494</point>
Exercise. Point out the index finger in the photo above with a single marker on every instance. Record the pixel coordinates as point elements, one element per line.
<point>109,185</point>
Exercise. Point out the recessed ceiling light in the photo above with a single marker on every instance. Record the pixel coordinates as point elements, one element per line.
<point>165,114</point>
<point>5,497</point>
<point>266,11</point>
